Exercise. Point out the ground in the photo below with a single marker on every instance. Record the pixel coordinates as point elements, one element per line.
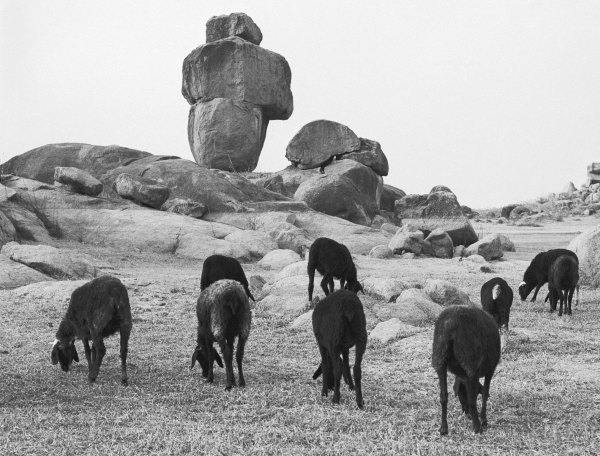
<point>545,396</point>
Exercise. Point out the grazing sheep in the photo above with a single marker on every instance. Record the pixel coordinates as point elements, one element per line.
<point>223,314</point>
<point>97,310</point>
<point>217,267</point>
<point>562,281</point>
<point>466,342</point>
<point>536,273</point>
<point>339,324</point>
<point>332,260</point>
<point>496,299</point>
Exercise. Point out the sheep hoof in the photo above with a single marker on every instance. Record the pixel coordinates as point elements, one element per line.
<point>444,430</point>
<point>124,382</point>
<point>228,387</point>
<point>242,383</point>
<point>477,429</point>
<point>361,405</point>
<point>484,423</point>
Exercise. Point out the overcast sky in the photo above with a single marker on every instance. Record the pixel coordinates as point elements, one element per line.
<point>499,100</point>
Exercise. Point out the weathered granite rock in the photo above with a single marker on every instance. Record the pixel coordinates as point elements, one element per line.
<point>489,248</point>
<point>371,155</point>
<point>78,180</point>
<point>440,244</point>
<point>55,263</point>
<point>444,293</point>
<point>506,210</point>
<point>286,296</point>
<point>587,248</point>
<point>303,321</point>
<point>184,206</point>
<point>278,259</point>
<point>385,288</point>
<point>381,251</point>
<point>348,190</point>
<point>7,229</point>
<point>291,237</point>
<point>391,330</point>
<point>407,239</point>
<point>234,24</point>
<point>141,190</point>
<point>14,274</point>
<point>226,134</point>
<point>257,243</point>
<point>389,195</point>
<point>236,69</point>
<point>27,222</point>
<point>318,141</point>
<point>506,244</point>
<point>439,209</point>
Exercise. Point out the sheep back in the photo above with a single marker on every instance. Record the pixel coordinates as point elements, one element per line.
<point>328,256</point>
<point>217,267</point>
<point>339,321</point>
<point>563,273</point>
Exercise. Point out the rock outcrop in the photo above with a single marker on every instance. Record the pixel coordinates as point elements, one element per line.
<point>235,87</point>
<point>389,195</point>
<point>77,180</point>
<point>438,209</point>
<point>141,190</point>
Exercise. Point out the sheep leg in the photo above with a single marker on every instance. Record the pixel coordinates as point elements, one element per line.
<point>537,288</point>
<point>98,352</point>
<point>360,349</point>
<point>324,285</point>
<point>484,397</point>
<point>227,351</point>
<point>443,379</point>
<point>336,362</point>
<point>571,291</point>
<point>342,282</point>
<point>560,309</point>
<point>239,355</point>
<point>472,388</point>
<point>88,352</point>
<point>208,348</point>
<point>331,285</point>
<point>325,368</point>
<point>125,331</point>
<point>346,370</point>
<point>311,282</point>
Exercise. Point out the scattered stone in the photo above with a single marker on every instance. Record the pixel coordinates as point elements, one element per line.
<point>304,321</point>
<point>234,24</point>
<point>286,296</point>
<point>408,256</point>
<point>184,207</point>
<point>506,210</point>
<point>141,190</point>
<point>381,251</point>
<point>518,212</point>
<point>444,293</point>
<point>389,196</point>
<point>475,258</point>
<point>278,259</point>
<point>78,180</point>
<point>440,244</point>
<point>392,329</point>
<point>506,244</point>
<point>257,243</point>
<point>387,289</point>
<point>295,269</point>
<point>319,141</point>
<point>489,248</point>
<point>418,308</point>
<point>587,248</point>
<point>459,251</point>
<point>389,227</point>
<point>407,239</point>
<point>378,221</point>
<point>291,237</point>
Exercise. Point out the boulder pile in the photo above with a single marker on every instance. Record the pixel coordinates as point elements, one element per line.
<point>235,88</point>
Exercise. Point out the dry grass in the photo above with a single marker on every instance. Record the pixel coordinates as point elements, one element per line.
<point>544,397</point>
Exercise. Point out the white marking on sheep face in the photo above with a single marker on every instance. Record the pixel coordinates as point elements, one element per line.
<point>54,343</point>
<point>521,284</point>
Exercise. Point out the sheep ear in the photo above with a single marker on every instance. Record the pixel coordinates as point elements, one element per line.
<point>54,355</point>
<point>217,358</point>
<point>194,358</point>
<point>75,355</point>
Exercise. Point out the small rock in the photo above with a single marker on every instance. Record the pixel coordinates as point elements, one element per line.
<point>303,321</point>
<point>381,251</point>
<point>392,329</point>
<point>278,259</point>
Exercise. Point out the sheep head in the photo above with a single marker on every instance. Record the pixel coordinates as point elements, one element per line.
<point>201,356</point>
<point>65,353</point>
<point>355,287</point>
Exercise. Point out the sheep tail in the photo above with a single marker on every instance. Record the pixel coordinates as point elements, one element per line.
<point>496,291</point>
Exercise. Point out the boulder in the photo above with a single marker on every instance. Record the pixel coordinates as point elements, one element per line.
<point>385,288</point>
<point>78,180</point>
<point>444,293</point>
<point>291,237</point>
<point>371,155</point>
<point>489,248</point>
<point>256,284</point>
<point>278,259</point>
<point>258,243</point>
<point>389,228</point>
<point>475,258</point>
<point>439,209</point>
<point>378,221</point>
<point>440,244</point>
<point>39,163</point>
<point>294,269</point>
<point>587,248</point>
<point>303,321</point>
<point>234,24</point>
<point>28,223</point>
<point>226,134</point>
<point>55,263</point>
<point>506,210</point>
<point>568,189</point>
<point>348,190</point>
<point>141,190</point>
<point>518,212</point>
<point>440,188</point>
<point>389,195</point>
<point>416,308</point>
<point>7,229</point>
<point>14,274</point>
<point>184,206</point>
<point>391,330</point>
<point>319,141</point>
<point>381,251</point>
<point>506,244</point>
<point>407,239</point>
<point>286,296</point>
<point>236,69</point>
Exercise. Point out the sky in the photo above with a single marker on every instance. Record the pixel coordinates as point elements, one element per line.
<point>498,100</point>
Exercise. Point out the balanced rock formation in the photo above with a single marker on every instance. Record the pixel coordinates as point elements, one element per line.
<point>235,87</point>
<point>141,190</point>
<point>371,155</point>
<point>438,209</point>
<point>77,180</point>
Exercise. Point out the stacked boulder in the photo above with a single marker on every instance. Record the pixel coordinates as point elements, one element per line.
<point>235,88</point>
<point>349,184</point>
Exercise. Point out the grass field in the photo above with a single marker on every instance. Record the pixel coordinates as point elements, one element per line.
<point>545,396</point>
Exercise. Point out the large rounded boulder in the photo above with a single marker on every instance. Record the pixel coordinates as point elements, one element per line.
<point>587,248</point>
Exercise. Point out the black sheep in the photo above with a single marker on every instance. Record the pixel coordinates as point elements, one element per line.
<point>223,314</point>
<point>562,281</point>
<point>496,299</point>
<point>217,267</point>
<point>466,342</point>
<point>536,273</point>
<point>332,260</point>
<point>97,310</point>
<point>339,324</point>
